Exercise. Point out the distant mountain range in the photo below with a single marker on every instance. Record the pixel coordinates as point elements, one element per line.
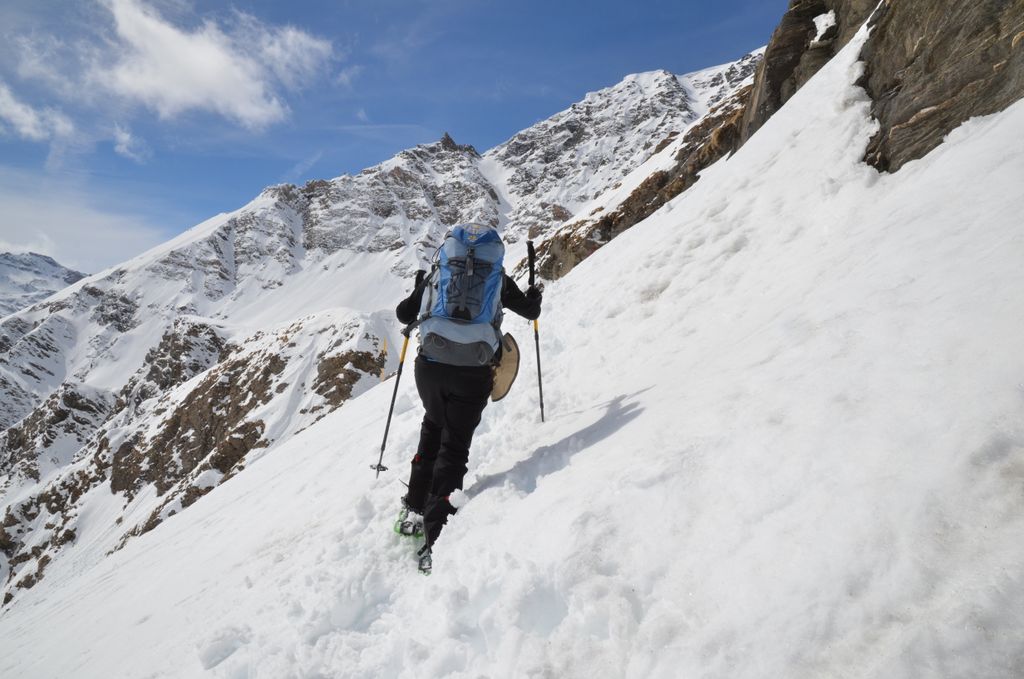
<point>27,278</point>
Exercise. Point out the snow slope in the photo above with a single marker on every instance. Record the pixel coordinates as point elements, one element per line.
<point>785,439</point>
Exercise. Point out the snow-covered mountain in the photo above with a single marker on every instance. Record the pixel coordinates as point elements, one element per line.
<point>819,478</point>
<point>27,278</point>
<point>784,430</point>
<point>163,377</point>
<point>549,171</point>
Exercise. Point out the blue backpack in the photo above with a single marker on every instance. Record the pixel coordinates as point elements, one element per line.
<point>460,317</point>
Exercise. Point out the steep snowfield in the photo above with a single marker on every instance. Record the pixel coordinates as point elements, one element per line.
<point>785,438</point>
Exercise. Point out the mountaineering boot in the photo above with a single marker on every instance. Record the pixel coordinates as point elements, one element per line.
<point>409,522</point>
<point>421,471</point>
<point>426,561</point>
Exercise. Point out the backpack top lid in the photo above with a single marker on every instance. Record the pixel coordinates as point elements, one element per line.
<point>473,234</point>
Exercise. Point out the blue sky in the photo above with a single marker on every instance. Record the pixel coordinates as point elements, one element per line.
<point>124,122</point>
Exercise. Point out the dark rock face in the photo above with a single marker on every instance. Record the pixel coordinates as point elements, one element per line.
<point>28,546</point>
<point>187,349</point>
<point>208,419</point>
<point>65,421</point>
<point>794,56</point>
<point>337,375</point>
<point>931,65</point>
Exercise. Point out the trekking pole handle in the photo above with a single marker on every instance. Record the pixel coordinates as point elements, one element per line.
<point>531,255</point>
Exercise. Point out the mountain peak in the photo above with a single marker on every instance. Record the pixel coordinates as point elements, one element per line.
<point>448,144</point>
<point>28,277</point>
<point>26,258</point>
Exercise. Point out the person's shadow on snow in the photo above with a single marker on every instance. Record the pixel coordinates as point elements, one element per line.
<point>550,459</point>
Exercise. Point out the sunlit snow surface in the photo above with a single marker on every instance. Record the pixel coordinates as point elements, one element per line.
<point>785,438</point>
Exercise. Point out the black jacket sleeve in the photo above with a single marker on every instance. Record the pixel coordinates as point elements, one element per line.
<point>409,308</point>
<point>527,306</point>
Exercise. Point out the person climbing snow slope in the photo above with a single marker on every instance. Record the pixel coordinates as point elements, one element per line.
<point>458,310</point>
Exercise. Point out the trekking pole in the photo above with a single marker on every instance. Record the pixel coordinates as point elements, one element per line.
<point>532,254</point>
<point>379,467</point>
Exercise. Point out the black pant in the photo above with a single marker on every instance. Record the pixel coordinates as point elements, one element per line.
<point>454,398</point>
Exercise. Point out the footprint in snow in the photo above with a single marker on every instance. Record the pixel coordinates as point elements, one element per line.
<point>222,645</point>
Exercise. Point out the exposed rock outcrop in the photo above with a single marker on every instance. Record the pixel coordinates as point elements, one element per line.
<point>932,65</point>
<point>189,347</point>
<point>431,185</point>
<point>206,423</point>
<point>50,437</point>
<point>796,52</point>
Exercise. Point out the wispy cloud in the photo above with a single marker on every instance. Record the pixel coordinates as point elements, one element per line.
<point>30,123</point>
<point>346,76</point>
<point>293,56</point>
<point>52,64</point>
<point>128,145</point>
<point>299,170</point>
<point>37,242</point>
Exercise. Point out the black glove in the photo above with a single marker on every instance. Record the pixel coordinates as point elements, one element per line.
<point>420,277</point>
<point>533,293</point>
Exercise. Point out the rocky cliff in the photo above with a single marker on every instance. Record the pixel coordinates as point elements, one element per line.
<point>930,65</point>
<point>810,33</point>
<point>933,65</point>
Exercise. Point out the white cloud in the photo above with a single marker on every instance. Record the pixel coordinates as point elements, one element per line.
<point>48,61</point>
<point>39,243</point>
<point>128,145</point>
<point>362,116</point>
<point>29,123</point>
<point>235,72</point>
<point>74,226</point>
<point>292,55</point>
<point>173,71</point>
<point>347,75</point>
